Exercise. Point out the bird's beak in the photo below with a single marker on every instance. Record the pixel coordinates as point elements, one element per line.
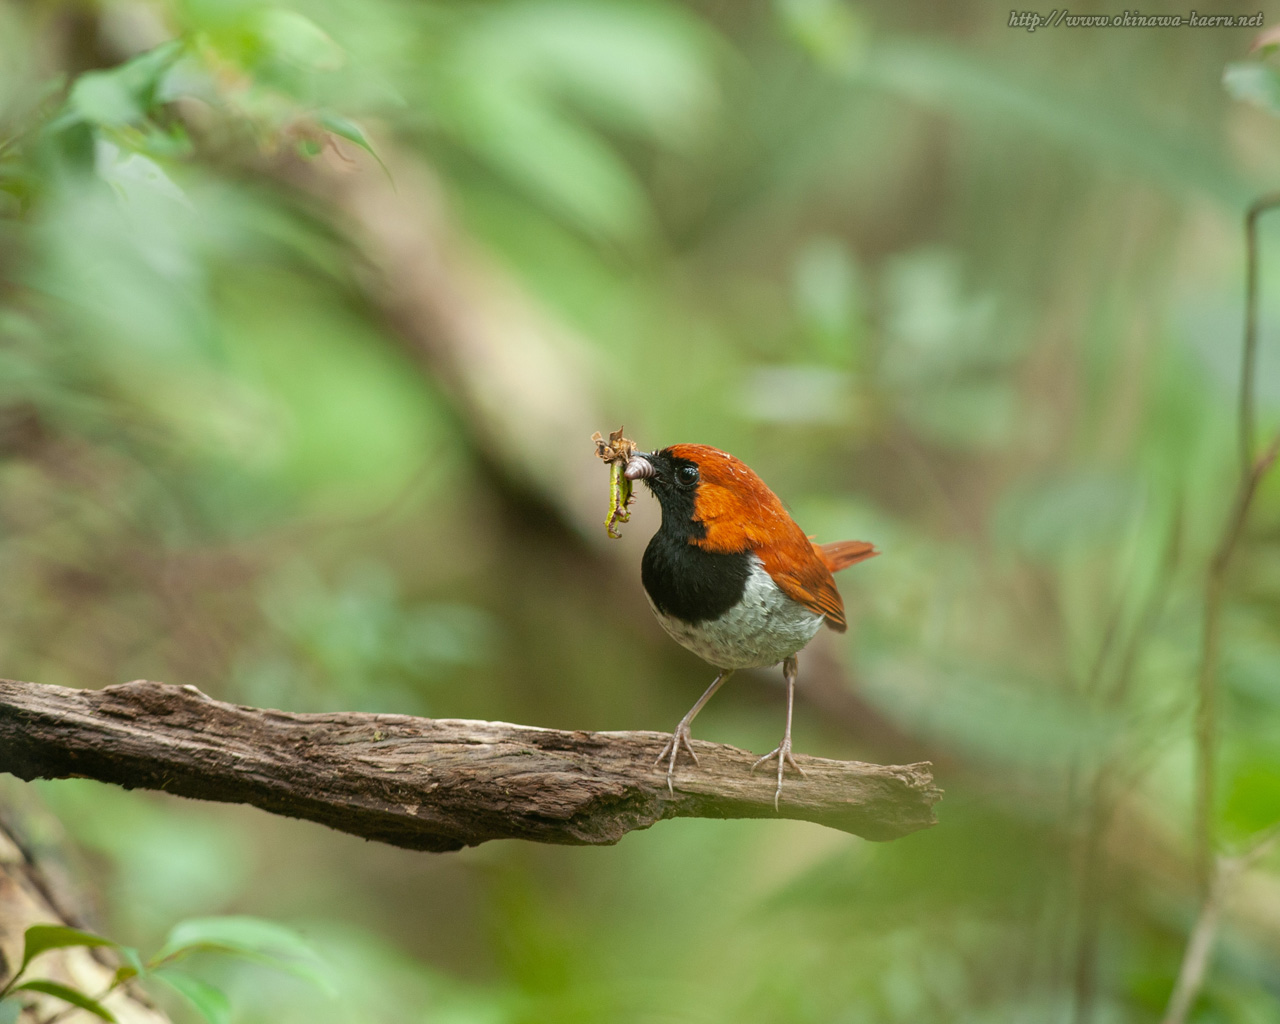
<point>639,467</point>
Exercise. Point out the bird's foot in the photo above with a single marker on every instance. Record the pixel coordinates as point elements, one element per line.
<point>783,753</point>
<point>678,739</point>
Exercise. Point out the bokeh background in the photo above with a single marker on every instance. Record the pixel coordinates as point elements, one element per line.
<point>310,429</point>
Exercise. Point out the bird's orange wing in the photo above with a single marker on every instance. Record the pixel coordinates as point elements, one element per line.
<point>808,580</point>
<point>800,572</point>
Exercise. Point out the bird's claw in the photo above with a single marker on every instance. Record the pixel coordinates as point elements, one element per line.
<point>783,753</point>
<point>678,738</point>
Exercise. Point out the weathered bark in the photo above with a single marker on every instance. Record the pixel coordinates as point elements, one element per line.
<point>428,784</point>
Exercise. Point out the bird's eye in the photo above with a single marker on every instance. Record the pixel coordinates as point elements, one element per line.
<point>687,475</point>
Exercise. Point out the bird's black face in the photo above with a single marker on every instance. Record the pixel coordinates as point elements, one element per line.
<point>683,580</point>
<point>674,482</point>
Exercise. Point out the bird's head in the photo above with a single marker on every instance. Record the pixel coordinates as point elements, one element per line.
<point>708,494</point>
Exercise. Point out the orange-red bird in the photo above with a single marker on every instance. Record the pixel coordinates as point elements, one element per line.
<point>731,576</point>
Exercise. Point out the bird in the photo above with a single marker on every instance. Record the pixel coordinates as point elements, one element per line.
<point>733,578</point>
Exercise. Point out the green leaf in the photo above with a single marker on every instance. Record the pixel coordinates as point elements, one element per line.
<point>103,98</point>
<point>345,129</point>
<point>350,131</point>
<point>829,30</point>
<point>1254,83</point>
<point>69,995</point>
<point>122,975</point>
<point>125,94</point>
<point>532,83</point>
<point>248,938</point>
<point>242,934</point>
<point>296,39</point>
<point>211,1003</point>
<point>9,1010</point>
<point>133,175</point>
<point>132,960</point>
<point>42,937</point>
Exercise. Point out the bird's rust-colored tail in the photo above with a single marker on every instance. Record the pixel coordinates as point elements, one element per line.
<point>841,554</point>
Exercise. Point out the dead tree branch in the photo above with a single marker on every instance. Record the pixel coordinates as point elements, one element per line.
<point>427,784</point>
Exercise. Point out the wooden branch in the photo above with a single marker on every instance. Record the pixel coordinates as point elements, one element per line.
<point>428,784</point>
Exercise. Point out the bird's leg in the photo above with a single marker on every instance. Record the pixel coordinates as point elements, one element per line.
<point>790,669</point>
<point>681,735</point>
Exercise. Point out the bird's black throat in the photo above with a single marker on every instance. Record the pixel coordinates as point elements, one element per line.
<point>681,579</point>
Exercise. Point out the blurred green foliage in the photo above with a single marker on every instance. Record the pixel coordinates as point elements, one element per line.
<point>965,291</point>
<point>243,938</point>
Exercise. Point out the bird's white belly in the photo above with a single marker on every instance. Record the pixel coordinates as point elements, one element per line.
<point>765,627</point>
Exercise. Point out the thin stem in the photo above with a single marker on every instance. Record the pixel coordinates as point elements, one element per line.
<point>1206,732</point>
<point>1256,210</point>
<point>1107,782</point>
<point>1211,873</point>
<point>1207,687</point>
<point>1195,961</point>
